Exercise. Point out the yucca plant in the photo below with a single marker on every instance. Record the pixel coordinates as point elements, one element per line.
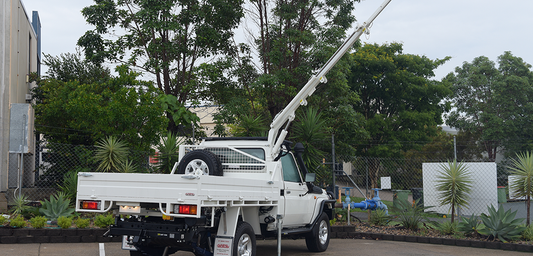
<point>380,218</point>
<point>411,216</point>
<point>168,152</point>
<point>522,169</point>
<point>19,205</point>
<point>501,224</point>
<point>469,226</point>
<point>448,228</point>
<point>454,183</point>
<point>57,206</point>
<point>70,184</point>
<point>111,153</point>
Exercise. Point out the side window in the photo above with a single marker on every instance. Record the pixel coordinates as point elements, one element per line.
<point>290,170</point>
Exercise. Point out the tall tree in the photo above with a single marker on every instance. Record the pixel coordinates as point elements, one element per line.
<point>399,101</point>
<point>494,102</point>
<point>81,114</point>
<point>292,40</point>
<point>165,38</point>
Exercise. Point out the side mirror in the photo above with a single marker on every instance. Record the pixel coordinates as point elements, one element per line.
<point>310,177</point>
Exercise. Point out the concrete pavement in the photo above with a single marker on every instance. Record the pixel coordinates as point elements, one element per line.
<point>268,248</point>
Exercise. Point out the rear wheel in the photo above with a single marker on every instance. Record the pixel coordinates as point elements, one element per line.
<point>318,239</point>
<point>244,241</point>
<point>200,162</point>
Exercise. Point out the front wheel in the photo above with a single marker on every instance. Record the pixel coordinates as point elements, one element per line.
<point>318,239</point>
<point>244,241</point>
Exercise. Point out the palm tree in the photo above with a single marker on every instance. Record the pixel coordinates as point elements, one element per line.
<point>523,170</point>
<point>454,183</point>
<point>112,153</point>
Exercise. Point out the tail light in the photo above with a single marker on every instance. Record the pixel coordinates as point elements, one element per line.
<point>186,209</point>
<point>90,205</point>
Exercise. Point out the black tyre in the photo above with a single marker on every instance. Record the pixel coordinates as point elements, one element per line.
<point>244,241</point>
<point>201,162</point>
<point>318,239</point>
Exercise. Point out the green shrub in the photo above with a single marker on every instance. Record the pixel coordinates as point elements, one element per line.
<point>57,206</point>
<point>411,216</point>
<point>82,223</point>
<point>18,222</point>
<point>501,224</point>
<point>448,228</point>
<point>104,221</point>
<point>2,219</point>
<point>64,222</point>
<point>528,233</point>
<point>38,222</point>
<point>469,226</point>
<point>380,218</point>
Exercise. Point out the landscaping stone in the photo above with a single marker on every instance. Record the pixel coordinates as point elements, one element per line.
<point>8,239</point>
<point>25,240</point>
<point>388,237</point>
<point>448,241</point>
<point>493,245</point>
<point>88,239</point>
<point>57,239</point>
<point>21,232</point>
<point>72,239</point>
<point>508,246</point>
<point>524,248</point>
<point>435,240</point>
<point>53,232</point>
<point>477,244</point>
<point>399,238</point>
<point>411,239</point>
<point>423,239</point>
<point>462,242</point>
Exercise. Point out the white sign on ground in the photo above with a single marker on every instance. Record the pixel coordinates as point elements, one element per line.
<point>484,188</point>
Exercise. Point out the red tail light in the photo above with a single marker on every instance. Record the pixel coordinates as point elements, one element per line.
<point>188,209</point>
<point>90,205</point>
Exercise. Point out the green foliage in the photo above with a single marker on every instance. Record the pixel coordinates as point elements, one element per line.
<point>70,185</point>
<point>310,130</point>
<point>82,113</point>
<point>104,221</point>
<point>2,219</point>
<point>19,205</point>
<point>82,223</point>
<point>164,38</point>
<point>448,228</point>
<point>454,184</point>
<point>249,126</point>
<point>64,222</point>
<point>494,102</point>
<point>380,218</point>
<point>57,206</point>
<point>399,101</point>
<point>527,234</point>
<point>411,216</point>
<point>522,169</point>
<point>501,224</point>
<point>168,152</point>
<point>38,222</point>
<point>18,222</point>
<point>111,153</point>
<point>469,226</point>
<point>71,66</point>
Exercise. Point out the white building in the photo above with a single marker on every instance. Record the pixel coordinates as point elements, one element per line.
<point>19,56</point>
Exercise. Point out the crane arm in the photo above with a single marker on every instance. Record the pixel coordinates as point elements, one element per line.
<point>287,115</point>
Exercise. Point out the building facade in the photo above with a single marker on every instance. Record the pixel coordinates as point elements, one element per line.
<point>19,57</point>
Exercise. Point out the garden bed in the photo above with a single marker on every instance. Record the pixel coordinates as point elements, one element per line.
<point>392,233</point>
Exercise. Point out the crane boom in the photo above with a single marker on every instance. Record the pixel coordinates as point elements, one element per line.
<point>287,115</point>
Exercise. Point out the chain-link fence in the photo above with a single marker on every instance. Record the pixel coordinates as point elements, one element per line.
<point>44,172</point>
<point>417,179</point>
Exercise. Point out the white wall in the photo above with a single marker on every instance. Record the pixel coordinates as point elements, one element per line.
<point>484,188</point>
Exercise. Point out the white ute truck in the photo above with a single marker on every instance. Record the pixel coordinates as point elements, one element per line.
<point>222,193</point>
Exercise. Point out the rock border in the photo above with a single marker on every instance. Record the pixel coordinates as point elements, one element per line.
<point>53,235</point>
<point>344,232</point>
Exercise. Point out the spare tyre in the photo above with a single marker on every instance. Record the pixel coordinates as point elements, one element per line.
<point>200,162</point>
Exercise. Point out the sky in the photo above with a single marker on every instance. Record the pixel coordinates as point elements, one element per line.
<point>461,29</point>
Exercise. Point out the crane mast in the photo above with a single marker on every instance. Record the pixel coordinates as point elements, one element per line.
<point>276,136</point>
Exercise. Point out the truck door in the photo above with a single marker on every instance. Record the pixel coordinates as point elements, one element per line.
<point>299,205</point>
